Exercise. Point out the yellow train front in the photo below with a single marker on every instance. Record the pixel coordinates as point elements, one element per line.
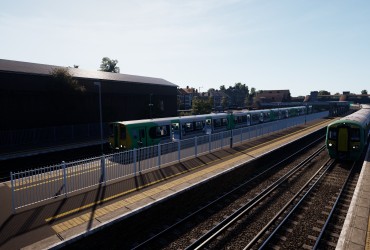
<point>347,138</point>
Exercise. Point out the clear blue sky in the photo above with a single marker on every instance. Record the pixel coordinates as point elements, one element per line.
<point>301,45</point>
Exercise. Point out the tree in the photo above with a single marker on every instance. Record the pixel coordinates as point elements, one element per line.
<point>324,92</point>
<point>211,101</point>
<point>225,102</point>
<point>109,65</point>
<point>253,92</point>
<point>62,81</point>
<point>200,106</point>
<point>247,101</point>
<point>364,92</point>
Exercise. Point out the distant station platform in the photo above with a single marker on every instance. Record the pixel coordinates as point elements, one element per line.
<point>356,229</point>
<point>55,223</point>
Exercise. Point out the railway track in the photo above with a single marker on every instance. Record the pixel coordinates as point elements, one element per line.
<point>304,225</point>
<point>329,237</point>
<point>223,212</point>
<point>293,206</point>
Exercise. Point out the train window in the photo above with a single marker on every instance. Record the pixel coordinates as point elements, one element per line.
<point>332,134</point>
<point>175,126</point>
<point>255,118</point>
<point>223,122</point>
<point>159,131</point>
<point>355,134</point>
<point>198,125</point>
<point>217,123</point>
<point>188,126</point>
<point>244,118</point>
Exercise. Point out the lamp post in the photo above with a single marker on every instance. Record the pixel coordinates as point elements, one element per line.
<point>101,116</point>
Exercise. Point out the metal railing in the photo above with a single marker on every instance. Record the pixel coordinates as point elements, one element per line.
<point>33,186</point>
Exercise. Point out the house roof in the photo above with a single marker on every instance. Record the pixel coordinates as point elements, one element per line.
<point>190,90</point>
<point>44,69</point>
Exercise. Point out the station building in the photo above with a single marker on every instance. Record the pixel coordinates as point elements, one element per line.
<point>30,96</point>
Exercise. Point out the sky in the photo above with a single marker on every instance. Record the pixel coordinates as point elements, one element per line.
<point>300,45</point>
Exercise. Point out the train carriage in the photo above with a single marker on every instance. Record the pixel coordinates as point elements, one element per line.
<point>240,119</point>
<point>190,126</point>
<point>347,137</point>
<point>135,134</point>
<point>142,133</point>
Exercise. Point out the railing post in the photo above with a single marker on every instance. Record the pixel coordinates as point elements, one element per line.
<point>231,139</point>
<point>179,150</point>
<point>103,170</point>
<point>209,143</point>
<point>222,139</point>
<point>159,155</point>
<point>196,146</point>
<point>13,193</point>
<point>134,156</point>
<point>64,178</point>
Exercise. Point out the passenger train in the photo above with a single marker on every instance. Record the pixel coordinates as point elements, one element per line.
<point>347,137</point>
<point>142,133</point>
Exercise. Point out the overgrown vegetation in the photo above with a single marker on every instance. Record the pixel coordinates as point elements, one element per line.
<point>63,81</point>
<point>108,65</point>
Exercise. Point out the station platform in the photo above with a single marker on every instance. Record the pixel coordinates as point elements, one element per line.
<point>53,224</point>
<point>356,228</point>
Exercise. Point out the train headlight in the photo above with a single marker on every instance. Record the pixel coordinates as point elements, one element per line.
<point>355,147</point>
<point>330,144</point>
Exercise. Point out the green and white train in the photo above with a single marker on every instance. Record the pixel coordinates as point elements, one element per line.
<point>142,133</point>
<point>347,137</point>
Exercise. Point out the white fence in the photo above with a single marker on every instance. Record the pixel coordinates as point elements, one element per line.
<point>32,186</point>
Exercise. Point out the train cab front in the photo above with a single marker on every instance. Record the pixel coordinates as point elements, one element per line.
<point>343,142</point>
<point>118,137</point>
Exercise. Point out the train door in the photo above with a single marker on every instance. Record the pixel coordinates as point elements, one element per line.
<point>140,136</point>
<point>248,119</point>
<point>261,117</point>
<point>208,126</point>
<point>342,139</point>
<point>176,133</point>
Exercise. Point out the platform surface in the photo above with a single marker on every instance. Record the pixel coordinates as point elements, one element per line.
<point>356,229</point>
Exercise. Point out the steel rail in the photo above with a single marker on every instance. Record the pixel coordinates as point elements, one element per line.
<point>154,237</point>
<point>325,167</point>
<point>219,228</point>
<point>333,208</point>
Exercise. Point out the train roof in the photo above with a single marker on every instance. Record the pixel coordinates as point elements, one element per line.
<point>361,117</point>
<point>169,119</point>
<point>196,117</point>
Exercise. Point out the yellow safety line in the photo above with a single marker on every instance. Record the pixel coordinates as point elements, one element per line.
<point>367,246</point>
<point>165,178</point>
